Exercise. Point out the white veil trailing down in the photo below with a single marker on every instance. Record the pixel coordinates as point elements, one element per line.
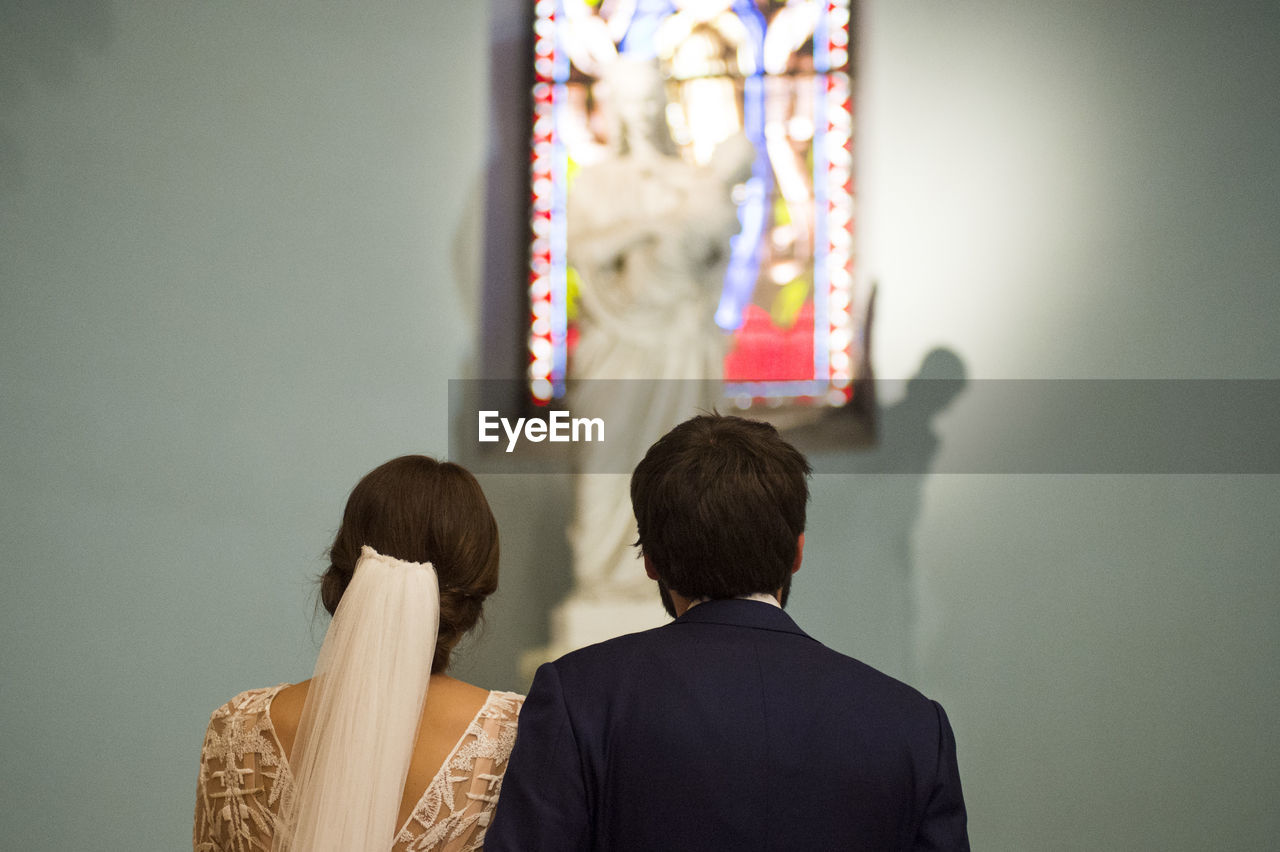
<point>352,750</point>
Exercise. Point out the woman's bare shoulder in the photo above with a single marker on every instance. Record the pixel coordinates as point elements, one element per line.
<point>248,702</point>
<point>285,711</point>
<point>454,702</point>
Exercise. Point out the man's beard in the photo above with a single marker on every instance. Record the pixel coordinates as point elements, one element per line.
<point>665,595</point>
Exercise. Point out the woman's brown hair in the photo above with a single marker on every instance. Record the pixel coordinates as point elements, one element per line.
<point>418,509</point>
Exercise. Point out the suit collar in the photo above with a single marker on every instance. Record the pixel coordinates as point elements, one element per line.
<point>740,613</point>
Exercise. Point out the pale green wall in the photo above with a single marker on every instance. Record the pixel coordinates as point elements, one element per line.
<point>238,243</point>
<point>239,258</point>
<point>1073,190</point>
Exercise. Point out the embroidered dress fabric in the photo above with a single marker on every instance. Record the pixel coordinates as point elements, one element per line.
<point>245,780</point>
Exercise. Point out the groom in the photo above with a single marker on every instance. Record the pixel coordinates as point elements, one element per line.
<point>729,728</point>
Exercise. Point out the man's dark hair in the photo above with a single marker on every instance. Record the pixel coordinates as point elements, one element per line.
<point>720,503</point>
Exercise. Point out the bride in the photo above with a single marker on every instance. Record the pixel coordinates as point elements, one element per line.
<point>380,750</point>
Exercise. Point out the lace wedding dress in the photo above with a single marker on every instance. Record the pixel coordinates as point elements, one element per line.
<point>245,780</point>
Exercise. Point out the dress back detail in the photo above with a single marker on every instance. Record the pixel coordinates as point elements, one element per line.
<point>245,780</point>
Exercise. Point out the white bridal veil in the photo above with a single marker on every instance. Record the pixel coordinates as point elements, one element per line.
<point>351,754</point>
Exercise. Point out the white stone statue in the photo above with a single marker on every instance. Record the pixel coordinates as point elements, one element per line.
<point>648,234</point>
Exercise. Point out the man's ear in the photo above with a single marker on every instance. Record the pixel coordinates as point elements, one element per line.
<point>649,570</point>
<point>799,554</point>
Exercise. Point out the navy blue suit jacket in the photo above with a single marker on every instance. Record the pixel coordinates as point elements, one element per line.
<point>727,729</point>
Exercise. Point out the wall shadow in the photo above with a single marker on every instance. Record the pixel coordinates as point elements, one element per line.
<point>863,598</point>
<point>42,43</point>
<point>532,509</point>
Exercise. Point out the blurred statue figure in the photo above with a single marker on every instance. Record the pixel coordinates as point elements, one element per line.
<point>648,234</point>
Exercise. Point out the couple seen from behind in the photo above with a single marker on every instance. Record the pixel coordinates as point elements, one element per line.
<point>727,729</point>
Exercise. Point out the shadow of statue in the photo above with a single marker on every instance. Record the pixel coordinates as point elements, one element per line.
<point>41,43</point>
<point>866,598</point>
<point>906,441</point>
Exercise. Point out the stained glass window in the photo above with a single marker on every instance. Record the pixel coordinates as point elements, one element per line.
<point>776,73</point>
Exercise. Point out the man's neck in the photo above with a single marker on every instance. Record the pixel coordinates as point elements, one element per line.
<point>681,604</point>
